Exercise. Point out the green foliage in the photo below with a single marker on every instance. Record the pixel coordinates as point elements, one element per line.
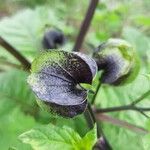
<point>143,20</point>
<point>19,111</point>
<point>14,91</point>
<point>24,30</point>
<point>13,123</point>
<point>89,140</point>
<point>137,39</point>
<point>52,137</point>
<point>15,106</point>
<point>115,96</point>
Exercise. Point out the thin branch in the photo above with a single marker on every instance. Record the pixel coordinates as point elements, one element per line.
<point>96,92</point>
<point>141,98</point>
<point>2,70</point>
<point>124,124</point>
<point>7,63</point>
<point>143,113</point>
<point>91,120</point>
<point>85,24</point>
<point>121,108</point>
<point>26,64</point>
<point>89,115</point>
<point>131,106</point>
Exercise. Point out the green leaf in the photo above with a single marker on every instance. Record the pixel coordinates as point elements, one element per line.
<point>16,103</point>
<point>137,39</point>
<point>143,20</point>
<point>52,137</point>
<point>89,139</point>
<point>109,96</point>
<point>86,86</point>
<point>14,91</point>
<point>13,123</point>
<point>18,93</point>
<point>25,30</point>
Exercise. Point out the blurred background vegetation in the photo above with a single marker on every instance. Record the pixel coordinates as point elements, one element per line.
<point>23,23</point>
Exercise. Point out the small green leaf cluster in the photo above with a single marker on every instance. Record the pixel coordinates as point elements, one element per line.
<point>52,137</point>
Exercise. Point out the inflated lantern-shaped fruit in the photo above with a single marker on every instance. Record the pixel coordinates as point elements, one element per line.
<point>118,61</point>
<point>52,39</point>
<point>55,79</point>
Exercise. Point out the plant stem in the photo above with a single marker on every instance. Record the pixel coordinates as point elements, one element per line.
<point>96,92</point>
<point>121,123</point>
<point>130,106</point>
<point>7,63</point>
<point>99,130</point>
<point>141,98</point>
<point>26,64</point>
<point>85,24</point>
<point>91,120</point>
<point>121,108</point>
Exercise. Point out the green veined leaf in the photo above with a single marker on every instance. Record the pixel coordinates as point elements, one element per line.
<point>15,91</point>
<point>25,30</point>
<point>137,39</point>
<point>89,139</point>
<point>16,103</point>
<point>52,137</point>
<point>13,123</point>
